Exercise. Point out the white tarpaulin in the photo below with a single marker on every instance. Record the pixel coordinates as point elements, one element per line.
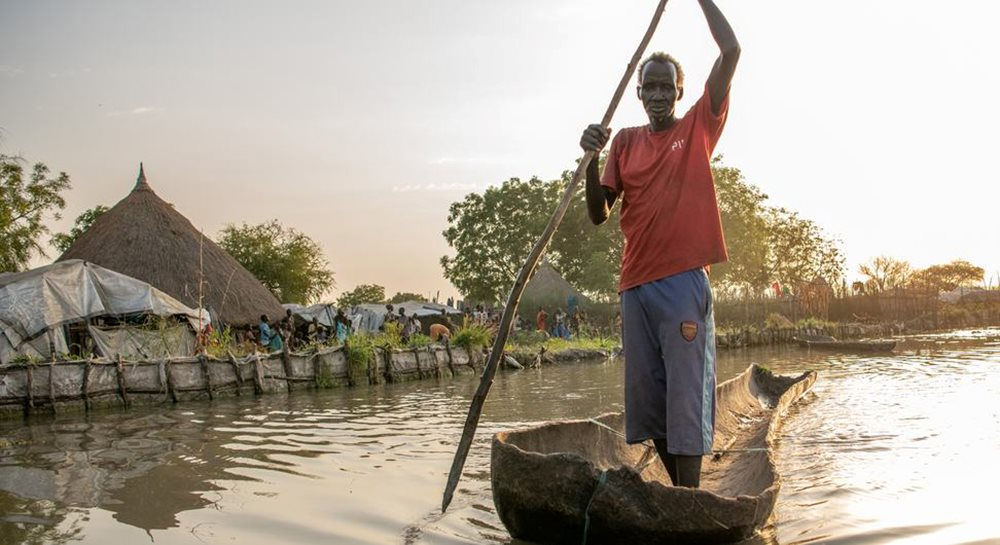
<point>132,343</point>
<point>36,301</point>
<point>369,317</point>
<point>323,312</point>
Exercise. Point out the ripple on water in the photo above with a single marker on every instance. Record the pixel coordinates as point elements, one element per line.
<point>892,439</point>
<point>887,449</point>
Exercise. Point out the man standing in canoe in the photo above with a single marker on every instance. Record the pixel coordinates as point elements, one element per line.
<point>673,231</point>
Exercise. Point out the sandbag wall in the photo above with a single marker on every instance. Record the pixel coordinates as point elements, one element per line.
<point>28,388</point>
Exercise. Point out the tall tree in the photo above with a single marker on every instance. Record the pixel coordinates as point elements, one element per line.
<point>402,297</point>
<point>363,293</point>
<point>747,231</point>
<point>798,250</point>
<point>286,261</point>
<point>492,234</point>
<point>62,241</point>
<point>885,273</point>
<point>23,206</point>
<point>948,276</point>
<point>587,255</point>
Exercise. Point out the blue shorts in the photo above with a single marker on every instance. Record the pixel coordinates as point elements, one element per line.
<point>668,332</point>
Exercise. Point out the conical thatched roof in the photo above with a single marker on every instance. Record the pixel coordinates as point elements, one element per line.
<point>547,288</point>
<point>145,238</point>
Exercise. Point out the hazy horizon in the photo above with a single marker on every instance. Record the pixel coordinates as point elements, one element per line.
<point>359,124</point>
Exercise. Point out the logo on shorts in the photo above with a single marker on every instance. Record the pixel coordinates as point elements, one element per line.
<point>689,330</point>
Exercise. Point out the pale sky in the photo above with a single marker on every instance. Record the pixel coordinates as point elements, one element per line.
<point>358,123</point>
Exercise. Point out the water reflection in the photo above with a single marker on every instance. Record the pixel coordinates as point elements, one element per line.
<point>887,449</point>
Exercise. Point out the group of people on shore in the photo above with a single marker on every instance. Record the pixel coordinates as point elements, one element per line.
<point>408,326</point>
<point>564,325</point>
<point>296,332</point>
<point>291,330</point>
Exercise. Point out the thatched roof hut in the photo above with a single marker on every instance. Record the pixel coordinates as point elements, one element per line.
<point>144,237</point>
<point>548,289</point>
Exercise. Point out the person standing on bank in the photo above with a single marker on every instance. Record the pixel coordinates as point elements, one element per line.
<point>673,231</point>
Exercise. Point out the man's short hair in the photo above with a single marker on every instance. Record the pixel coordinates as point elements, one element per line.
<point>660,56</point>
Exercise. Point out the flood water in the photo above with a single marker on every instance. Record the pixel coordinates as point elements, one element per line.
<point>901,448</point>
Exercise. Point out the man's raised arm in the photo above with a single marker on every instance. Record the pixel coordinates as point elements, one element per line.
<point>729,54</point>
<point>600,199</point>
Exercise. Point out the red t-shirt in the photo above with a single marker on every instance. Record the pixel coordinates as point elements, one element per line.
<point>669,214</point>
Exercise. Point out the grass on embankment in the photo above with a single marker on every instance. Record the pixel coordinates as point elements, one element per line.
<point>479,336</point>
<point>534,341</point>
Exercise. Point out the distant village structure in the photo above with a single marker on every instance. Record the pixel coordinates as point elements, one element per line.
<point>75,307</point>
<point>144,237</point>
<point>549,290</point>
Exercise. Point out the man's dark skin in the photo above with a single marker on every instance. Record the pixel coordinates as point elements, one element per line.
<point>658,90</point>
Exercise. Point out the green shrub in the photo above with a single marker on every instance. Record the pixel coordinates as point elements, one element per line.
<point>418,341</point>
<point>528,337</point>
<point>556,344</point>
<point>472,336</point>
<point>391,336</point>
<point>534,340</point>
<point>222,342</point>
<point>815,323</point>
<point>24,358</point>
<point>777,321</point>
<point>360,351</point>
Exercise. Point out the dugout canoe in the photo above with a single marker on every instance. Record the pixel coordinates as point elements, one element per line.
<point>825,342</point>
<point>578,481</point>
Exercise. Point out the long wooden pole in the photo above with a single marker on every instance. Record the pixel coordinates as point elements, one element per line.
<point>476,408</point>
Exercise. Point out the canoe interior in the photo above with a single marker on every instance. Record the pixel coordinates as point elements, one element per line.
<point>742,412</point>
<point>545,475</point>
